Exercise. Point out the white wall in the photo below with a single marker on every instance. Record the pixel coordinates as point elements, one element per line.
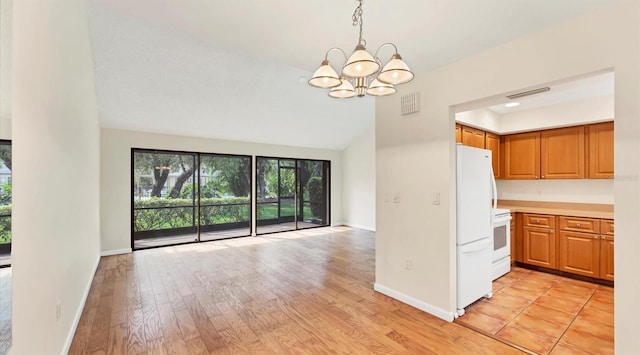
<point>115,163</point>
<point>56,152</point>
<point>569,190</point>
<point>595,109</point>
<point>359,181</point>
<point>415,155</point>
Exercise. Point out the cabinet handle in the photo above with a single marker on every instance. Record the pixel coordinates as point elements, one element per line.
<point>604,238</point>
<point>551,231</point>
<point>543,176</point>
<point>537,221</point>
<point>577,224</point>
<point>595,237</point>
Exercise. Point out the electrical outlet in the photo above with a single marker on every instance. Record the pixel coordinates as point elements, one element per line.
<point>409,264</point>
<point>58,310</point>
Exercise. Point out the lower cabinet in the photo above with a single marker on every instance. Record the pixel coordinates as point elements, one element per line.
<point>539,246</point>
<point>582,246</point>
<point>579,253</point>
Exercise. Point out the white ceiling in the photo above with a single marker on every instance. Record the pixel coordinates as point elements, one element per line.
<point>238,69</point>
<point>581,89</point>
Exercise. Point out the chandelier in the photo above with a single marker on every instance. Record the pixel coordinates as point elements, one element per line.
<point>362,69</point>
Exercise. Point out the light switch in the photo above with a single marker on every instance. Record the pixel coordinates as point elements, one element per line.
<point>396,197</point>
<point>436,198</point>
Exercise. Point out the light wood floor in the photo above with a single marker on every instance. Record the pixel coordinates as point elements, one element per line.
<point>304,292</point>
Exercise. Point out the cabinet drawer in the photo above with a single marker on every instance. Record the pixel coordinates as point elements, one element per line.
<point>606,226</point>
<point>587,225</point>
<point>539,220</point>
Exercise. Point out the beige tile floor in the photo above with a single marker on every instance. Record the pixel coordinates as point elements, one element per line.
<point>546,314</point>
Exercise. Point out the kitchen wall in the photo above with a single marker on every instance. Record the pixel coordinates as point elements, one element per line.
<point>115,164</point>
<point>359,181</point>
<point>569,190</point>
<point>56,172</point>
<point>415,155</point>
<point>481,118</point>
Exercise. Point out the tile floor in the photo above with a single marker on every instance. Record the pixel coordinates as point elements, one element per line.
<point>546,314</point>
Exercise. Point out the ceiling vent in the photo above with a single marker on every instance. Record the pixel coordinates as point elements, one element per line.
<point>527,93</point>
<point>410,103</point>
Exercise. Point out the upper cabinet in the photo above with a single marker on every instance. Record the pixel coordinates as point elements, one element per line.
<point>458,133</point>
<point>522,156</point>
<point>600,150</point>
<point>562,153</point>
<point>473,137</point>
<point>492,142</point>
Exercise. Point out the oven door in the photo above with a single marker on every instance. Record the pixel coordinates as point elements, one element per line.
<point>501,239</point>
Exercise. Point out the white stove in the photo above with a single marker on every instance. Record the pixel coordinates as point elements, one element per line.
<point>501,261</point>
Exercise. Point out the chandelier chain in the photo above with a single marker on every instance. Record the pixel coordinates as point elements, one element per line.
<point>357,21</point>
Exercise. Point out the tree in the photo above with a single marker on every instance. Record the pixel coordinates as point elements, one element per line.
<point>5,155</point>
<point>160,165</point>
<point>186,173</point>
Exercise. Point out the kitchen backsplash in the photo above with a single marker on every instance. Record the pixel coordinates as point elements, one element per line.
<point>570,190</point>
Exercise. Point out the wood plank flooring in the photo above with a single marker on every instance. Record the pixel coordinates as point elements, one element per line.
<point>546,313</point>
<point>304,292</point>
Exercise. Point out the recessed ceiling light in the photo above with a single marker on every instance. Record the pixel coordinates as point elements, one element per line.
<point>512,104</point>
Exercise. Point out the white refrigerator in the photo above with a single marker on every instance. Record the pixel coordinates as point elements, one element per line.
<point>475,187</point>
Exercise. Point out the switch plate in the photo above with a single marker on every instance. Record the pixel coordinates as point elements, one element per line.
<point>436,198</point>
<point>396,197</point>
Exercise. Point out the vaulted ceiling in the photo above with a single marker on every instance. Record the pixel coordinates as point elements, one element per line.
<point>238,69</point>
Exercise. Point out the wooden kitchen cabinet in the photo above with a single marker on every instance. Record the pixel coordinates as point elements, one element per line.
<point>579,253</point>
<point>562,154</point>
<point>539,247</point>
<point>473,137</point>
<point>606,249</point>
<point>600,150</point>
<point>522,156</point>
<point>492,142</point>
<point>513,237</point>
<point>458,133</point>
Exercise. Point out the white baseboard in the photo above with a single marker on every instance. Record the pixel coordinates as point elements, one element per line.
<point>367,228</point>
<point>115,252</point>
<point>431,309</point>
<point>76,319</point>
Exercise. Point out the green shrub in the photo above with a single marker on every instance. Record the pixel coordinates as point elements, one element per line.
<point>149,214</point>
<point>315,188</point>
<point>5,224</point>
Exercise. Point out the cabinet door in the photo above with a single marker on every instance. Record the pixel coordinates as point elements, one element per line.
<point>579,253</point>
<point>472,137</point>
<point>458,133</point>
<point>539,247</point>
<point>492,142</point>
<point>522,156</point>
<point>562,153</point>
<point>600,150</point>
<point>606,257</point>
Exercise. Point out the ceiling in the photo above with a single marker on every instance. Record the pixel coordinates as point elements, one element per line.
<point>575,90</point>
<point>238,69</point>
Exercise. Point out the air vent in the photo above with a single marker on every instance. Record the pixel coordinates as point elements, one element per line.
<point>410,103</point>
<point>530,92</point>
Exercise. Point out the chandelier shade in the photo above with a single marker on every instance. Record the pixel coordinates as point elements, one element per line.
<point>395,72</point>
<point>360,64</point>
<point>325,77</point>
<point>378,88</point>
<point>343,91</point>
<point>360,68</point>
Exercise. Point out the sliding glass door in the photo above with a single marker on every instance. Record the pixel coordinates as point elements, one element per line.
<point>291,194</point>
<point>5,203</point>
<point>164,198</point>
<point>225,196</point>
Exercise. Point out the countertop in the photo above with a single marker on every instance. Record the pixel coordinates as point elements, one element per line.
<point>589,210</point>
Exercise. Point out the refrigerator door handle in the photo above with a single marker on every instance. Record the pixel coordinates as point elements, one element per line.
<point>476,246</point>
<point>495,190</point>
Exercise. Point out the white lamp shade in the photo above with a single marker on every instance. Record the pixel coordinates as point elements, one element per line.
<point>395,72</point>
<point>325,77</point>
<point>344,91</point>
<point>360,64</point>
<point>378,88</point>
